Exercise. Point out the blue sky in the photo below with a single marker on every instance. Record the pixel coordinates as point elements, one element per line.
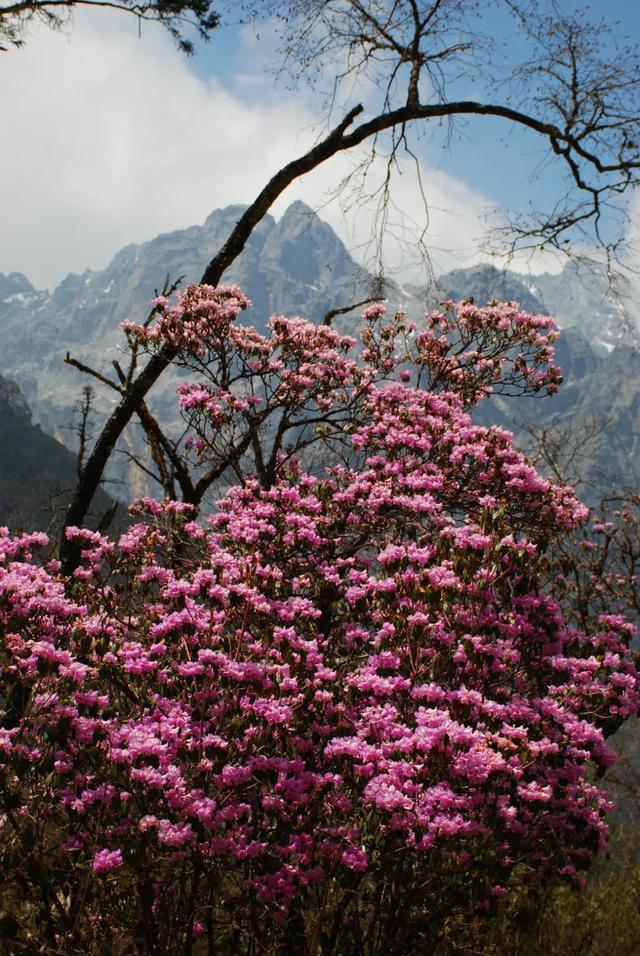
<point>485,149</point>
<point>109,139</point>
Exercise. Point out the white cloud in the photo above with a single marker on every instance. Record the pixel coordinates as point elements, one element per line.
<point>108,139</point>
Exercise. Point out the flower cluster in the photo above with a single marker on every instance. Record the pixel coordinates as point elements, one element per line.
<point>463,348</point>
<point>196,322</point>
<point>301,383</point>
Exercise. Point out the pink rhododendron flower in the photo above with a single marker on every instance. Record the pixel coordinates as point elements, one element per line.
<point>106,860</point>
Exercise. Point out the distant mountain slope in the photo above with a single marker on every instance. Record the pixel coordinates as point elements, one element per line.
<point>37,473</point>
<point>578,297</point>
<point>595,416</point>
<point>485,282</point>
<point>299,266</point>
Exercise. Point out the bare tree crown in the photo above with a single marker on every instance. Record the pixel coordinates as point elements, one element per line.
<point>566,77</point>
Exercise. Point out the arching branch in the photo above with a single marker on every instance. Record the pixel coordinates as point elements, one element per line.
<point>587,116</point>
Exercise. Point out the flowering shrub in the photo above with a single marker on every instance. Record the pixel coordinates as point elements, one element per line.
<point>604,578</point>
<point>338,716</point>
<point>254,400</point>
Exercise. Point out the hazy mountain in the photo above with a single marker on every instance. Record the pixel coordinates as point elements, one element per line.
<point>485,283</point>
<point>605,312</point>
<point>299,266</point>
<point>594,420</point>
<point>579,297</point>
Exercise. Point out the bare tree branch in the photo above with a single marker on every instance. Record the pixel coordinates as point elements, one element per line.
<point>585,112</point>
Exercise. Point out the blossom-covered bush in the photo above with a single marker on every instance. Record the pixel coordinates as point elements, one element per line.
<point>340,714</point>
<point>254,400</point>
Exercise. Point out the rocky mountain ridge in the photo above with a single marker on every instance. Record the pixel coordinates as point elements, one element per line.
<point>298,265</point>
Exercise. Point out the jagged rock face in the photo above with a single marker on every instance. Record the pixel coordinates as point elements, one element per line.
<point>12,400</point>
<point>14,286</point>
<point>605,313</point>
<point>596,416</point>
<point>299,266</point>
<point>485,283</point>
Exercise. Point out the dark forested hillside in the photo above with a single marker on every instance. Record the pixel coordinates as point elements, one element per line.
<point>37,473</point>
